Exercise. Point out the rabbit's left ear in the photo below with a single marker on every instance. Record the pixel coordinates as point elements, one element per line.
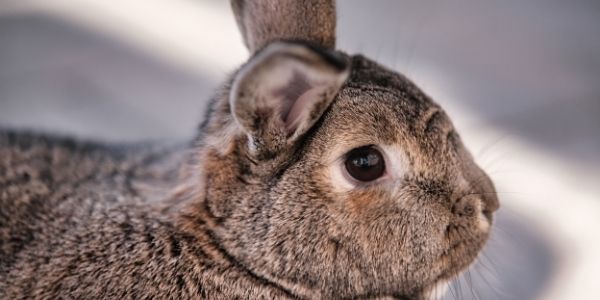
<point>282,91</point>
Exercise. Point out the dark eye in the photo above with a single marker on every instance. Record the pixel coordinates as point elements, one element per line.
<point>365,163</point>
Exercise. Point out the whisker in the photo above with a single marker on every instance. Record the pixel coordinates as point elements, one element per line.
<point>395,49</point>
<point>493,264</point>
<point>451,290</point>
<point>486,281</point>
<point>470,283</point>
<point>460,288</point>
<point>493,161</point>
<point>498,234</point>
<point>484,150</point>
<point>378,51</point>
<point>501,172</point>
<point>494,193</point>
<point>418,35</point>
<point>361,47</point>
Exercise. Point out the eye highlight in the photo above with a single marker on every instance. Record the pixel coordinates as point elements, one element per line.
<point>365,163</point>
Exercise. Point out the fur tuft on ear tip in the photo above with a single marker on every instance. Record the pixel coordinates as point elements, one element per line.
<point>285,88</point>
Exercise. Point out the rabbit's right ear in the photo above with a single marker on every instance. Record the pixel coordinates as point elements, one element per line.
<point>264,21</point>
<point>283,90</point>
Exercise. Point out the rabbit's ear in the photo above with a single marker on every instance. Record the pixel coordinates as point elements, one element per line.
<point>282,91</point>
<point>264,21</point>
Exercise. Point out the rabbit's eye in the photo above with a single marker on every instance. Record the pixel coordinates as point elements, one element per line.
<point>365,163</point>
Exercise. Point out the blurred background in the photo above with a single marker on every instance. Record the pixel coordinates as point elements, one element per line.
<point>520,79</point>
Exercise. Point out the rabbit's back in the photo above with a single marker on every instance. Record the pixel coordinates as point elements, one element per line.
<point>41,175</point>
<point>83,219</point>
<point>70,213</point>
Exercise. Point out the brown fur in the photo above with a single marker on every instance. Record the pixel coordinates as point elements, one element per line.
<point>251,210</point>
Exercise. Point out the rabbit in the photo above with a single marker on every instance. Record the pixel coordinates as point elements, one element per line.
<point>315,175</point>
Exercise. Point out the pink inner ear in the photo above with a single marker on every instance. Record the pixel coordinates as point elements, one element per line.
<point>294,115</point>
<point>295,97</point>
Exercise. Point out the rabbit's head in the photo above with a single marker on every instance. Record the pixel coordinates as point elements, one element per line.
<point>330,175</point>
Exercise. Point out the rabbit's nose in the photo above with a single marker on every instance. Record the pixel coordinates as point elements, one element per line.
<point>477,205</point>
<point>490,204</point>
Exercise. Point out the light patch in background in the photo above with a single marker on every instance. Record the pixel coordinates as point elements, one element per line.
<point>199,36</point>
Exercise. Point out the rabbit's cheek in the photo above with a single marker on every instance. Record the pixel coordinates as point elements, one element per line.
<point>367,203</point>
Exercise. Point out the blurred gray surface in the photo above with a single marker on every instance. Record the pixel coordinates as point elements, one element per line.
<point>530,68</point>
<point>56,76</point>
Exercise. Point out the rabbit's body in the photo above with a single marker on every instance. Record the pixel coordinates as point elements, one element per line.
<point>81,220</point>
<point>316,175</point>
